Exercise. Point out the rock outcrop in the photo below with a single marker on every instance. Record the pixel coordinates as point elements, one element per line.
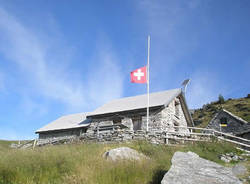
<point>189,168</point>
<point>123,153</point>
<point>228,157</point>
<point>239,169</point>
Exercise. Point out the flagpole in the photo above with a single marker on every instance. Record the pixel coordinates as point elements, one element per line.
<point>148,81</point>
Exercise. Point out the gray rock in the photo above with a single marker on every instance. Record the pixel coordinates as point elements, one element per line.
<point>13,145</point>
<point>245,154</point>
<point>189,168</point>
<point>123,153</point>
<point>235,158</point>
<point>231,154</point>
<point>239,169</point>
<point>225,159</point>
<point>241,158</point>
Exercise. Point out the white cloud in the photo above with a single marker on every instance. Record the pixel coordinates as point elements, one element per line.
<point>25,48</point>
<point>37,58</point>
<point>30,106</point>
<point>172,42</point>
<point>106,80</point>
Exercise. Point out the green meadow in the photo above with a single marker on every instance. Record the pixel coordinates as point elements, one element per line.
<point>84,164</point>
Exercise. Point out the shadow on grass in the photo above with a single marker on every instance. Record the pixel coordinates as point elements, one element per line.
<point>158,176</point>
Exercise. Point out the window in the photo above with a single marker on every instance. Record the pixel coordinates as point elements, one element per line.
<point>117,120</point>
<point>223,121</point>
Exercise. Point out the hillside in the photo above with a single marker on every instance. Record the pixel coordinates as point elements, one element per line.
<point>84,163</point>
<point>239,107</point>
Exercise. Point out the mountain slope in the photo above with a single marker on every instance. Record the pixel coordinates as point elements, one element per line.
<point>240,107</point>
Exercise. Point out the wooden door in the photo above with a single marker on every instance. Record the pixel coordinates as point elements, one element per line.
<point>137,123</point>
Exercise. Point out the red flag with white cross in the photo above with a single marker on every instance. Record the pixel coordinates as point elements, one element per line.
<point>139,75</point>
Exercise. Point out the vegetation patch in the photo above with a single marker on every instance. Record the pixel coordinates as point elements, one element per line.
<point>83,163</point>
<point>240,107</point>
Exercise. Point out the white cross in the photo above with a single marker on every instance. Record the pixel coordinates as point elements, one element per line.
<point>139,74</point>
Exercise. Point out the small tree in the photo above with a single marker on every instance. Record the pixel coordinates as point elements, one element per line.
<point>221,99</point>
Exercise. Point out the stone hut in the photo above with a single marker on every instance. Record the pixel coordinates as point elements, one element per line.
<point>65,126</point>
<point>168,112</point>
<point>232,124</point>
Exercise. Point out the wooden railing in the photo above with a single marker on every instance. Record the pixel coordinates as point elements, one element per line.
<point>183,133</point>
<point>33,142</point>
<point>205,132</point>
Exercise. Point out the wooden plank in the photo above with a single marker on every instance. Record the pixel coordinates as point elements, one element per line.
<point>34,144</point>
<point>235,142</point>
<point>187,134</point>
<point>194,128</point>
<point>185,139</point>
<point>229,135</point>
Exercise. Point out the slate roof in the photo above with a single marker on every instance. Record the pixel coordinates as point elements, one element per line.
<point>71,121</point>
<point>236,117</point>
<point>137,102</point>
<point>243,129</point>
<point>66,122</point>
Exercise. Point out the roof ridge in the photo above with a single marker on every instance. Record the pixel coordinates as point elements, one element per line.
<point>142,95</point>
<point>235,116</point>
<point>84,113</point>
<point>136,102</point>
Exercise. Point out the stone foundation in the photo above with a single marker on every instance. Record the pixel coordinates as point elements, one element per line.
<point>155,137</point>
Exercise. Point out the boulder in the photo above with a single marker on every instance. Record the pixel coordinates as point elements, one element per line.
<point>225,159</point>
<point>239,169</point>
<point>235,158</point>
<point>123,153</point>
<point>189,168</point>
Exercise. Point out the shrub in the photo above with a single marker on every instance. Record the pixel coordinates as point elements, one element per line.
<point>221,99</point>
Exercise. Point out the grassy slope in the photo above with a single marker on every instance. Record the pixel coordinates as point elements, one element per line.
<point>83,163</point>
<point>5,144</point>
<point>239,107</point>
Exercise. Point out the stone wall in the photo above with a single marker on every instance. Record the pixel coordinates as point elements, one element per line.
<point>246,135</point>
<point>61,133</point>
<point>233,124</point>
<point>122,135</point>
<point>171,116</point>
<point>163,119</point>
<point>57,140</point>
<point>125,135</point>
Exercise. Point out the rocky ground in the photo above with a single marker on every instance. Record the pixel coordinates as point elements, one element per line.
<point>189,168</point>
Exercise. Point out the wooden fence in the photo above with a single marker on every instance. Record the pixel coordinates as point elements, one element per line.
<point>193,134</point>
<point>205,132</point>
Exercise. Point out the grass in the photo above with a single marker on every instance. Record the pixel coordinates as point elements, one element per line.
<point>240,107</point>
<point>83,163</point>
<point>5,144</point>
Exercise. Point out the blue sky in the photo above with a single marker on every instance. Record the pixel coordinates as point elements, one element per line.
<point>60,57</point>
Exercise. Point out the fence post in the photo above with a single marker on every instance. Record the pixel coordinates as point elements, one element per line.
<point>34,143</point>
<point>166,138</point>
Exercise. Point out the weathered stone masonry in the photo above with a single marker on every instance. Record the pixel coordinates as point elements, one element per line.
<point>162,119</point>
<point>125,119</point>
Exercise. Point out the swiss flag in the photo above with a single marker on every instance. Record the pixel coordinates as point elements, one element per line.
<point>139,75</point>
